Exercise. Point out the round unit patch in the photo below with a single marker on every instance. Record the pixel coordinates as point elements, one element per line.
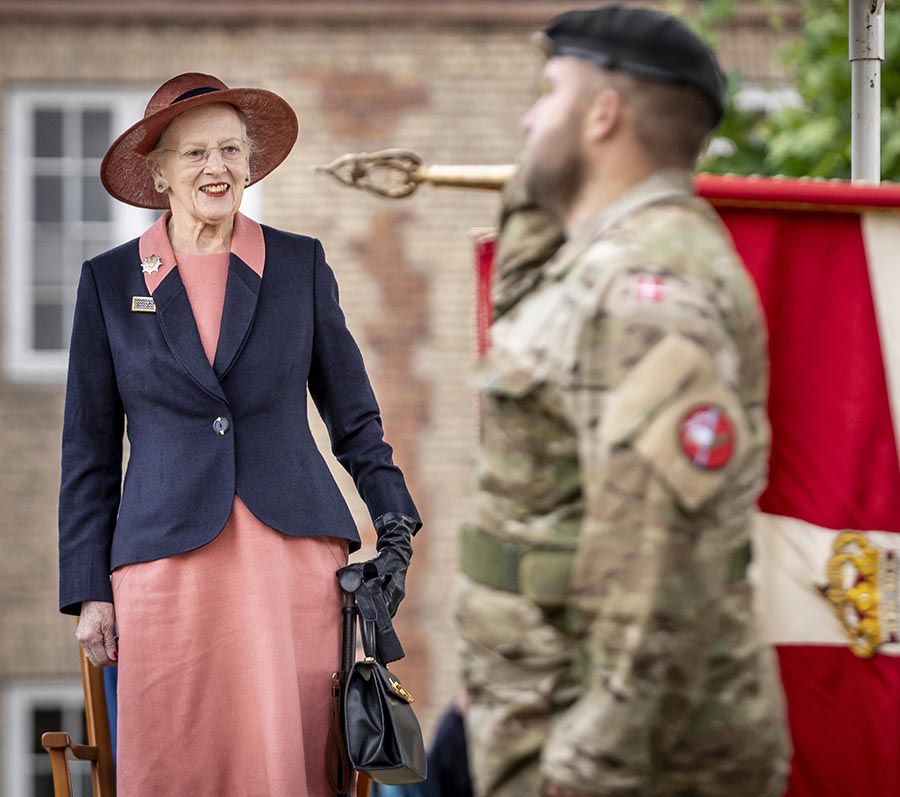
<point>706,435</point>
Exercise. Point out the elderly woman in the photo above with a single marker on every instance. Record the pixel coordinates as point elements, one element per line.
<point>215,562</point>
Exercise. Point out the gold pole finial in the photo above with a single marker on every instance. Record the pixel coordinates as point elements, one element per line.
<point>397,173</point>
<point>388,172</point>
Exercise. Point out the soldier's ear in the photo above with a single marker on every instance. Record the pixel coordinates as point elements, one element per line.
<point>603,115</point>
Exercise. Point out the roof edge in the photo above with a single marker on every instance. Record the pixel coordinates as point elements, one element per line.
<point>523,12</point>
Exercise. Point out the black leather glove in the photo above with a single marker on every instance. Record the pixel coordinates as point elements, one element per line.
<point>394,548</point>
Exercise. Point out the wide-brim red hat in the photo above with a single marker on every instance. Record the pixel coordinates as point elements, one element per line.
<point>271,126</point>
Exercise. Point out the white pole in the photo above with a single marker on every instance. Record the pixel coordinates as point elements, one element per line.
<point>866,55</point>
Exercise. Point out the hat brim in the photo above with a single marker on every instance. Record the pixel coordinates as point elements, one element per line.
<point>271,126</point>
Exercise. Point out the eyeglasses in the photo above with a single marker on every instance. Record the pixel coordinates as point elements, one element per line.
<point>229,153</point>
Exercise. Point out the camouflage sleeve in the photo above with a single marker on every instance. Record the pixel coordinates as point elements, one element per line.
<point>527,238</point>
<point>660,430</point>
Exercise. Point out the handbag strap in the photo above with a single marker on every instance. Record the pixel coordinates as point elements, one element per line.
<point>336,747</point>
<point>369,636</point>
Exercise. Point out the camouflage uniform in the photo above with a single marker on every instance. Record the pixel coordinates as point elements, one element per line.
<point>607,627</point>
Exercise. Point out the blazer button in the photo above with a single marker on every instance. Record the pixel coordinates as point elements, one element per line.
<point>221,425</point>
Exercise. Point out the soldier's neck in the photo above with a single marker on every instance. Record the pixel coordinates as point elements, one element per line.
<point>603,188</point>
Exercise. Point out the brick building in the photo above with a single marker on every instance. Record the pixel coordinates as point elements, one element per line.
<point>447,78</point>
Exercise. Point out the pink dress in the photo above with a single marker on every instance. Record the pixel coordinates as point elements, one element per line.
<point>226,652</point>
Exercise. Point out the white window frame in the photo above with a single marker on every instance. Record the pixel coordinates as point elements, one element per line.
<point>21,698</point>
<point>23,363</point>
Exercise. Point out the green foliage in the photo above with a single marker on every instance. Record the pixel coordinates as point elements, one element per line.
<point>704,17</point>
<point>812,140</point>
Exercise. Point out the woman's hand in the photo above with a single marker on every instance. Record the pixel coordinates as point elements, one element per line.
<point>96,633</point>
<point>394,547</point>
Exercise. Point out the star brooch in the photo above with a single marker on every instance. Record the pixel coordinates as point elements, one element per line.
<point>151,264</point>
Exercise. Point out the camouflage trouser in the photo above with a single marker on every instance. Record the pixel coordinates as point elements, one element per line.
<point>519,673</point>
<point>522,672</point>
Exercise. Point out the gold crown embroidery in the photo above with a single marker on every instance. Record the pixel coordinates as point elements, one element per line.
<point>862,588</point>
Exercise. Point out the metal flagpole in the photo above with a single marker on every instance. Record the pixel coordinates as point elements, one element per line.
<point>866,56</point>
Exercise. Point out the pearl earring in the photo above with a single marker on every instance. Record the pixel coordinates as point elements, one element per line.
<point>160,187</point>
<point>247,180</point>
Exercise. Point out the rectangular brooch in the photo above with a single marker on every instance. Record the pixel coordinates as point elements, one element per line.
<point>143,304</point>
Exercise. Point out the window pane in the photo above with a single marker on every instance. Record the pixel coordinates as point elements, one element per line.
<point>48,335</point>
<point>95,133</point>
<point>43,786</point>
<point>94,200</point>
<point>96,244</point>
<point>68,316</point>
<point>48,198</point>
<point>49,254</point>
<point>80,772</point>
<point>45,719</point>
<point>48,134</point>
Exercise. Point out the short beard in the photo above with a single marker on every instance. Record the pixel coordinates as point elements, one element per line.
<point>556,191</point>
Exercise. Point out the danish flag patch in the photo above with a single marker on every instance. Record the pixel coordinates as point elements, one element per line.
<point>707,437</point>
<point>649,289</point>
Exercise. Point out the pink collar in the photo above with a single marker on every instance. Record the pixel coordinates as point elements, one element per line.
<point>247,243</point>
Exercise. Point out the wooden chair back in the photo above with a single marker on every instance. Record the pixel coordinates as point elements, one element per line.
<point>98,749</point>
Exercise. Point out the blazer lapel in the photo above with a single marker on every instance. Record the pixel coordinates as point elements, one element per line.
<point>174,311</point>
<point>176,319</point>
<point>241,296</point>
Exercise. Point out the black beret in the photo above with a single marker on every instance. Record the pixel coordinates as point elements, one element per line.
<point>640,41</point>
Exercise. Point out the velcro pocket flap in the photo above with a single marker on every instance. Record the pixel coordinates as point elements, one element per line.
<point>662,443</point>
<point>662,373</point>
<point>652,409</point>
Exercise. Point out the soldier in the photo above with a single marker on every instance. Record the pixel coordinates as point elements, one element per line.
<point>606,614</point>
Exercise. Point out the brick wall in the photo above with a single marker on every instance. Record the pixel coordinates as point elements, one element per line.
<point>452,92</point>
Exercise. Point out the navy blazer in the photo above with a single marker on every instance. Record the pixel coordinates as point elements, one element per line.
<point>200,433</point>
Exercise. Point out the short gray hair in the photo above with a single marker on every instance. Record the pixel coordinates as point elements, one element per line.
<point>152,158</point>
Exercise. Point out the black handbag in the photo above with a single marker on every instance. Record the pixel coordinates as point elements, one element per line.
<point>382,735</point>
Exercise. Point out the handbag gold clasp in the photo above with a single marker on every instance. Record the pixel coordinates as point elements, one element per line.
<point>401,690</point>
